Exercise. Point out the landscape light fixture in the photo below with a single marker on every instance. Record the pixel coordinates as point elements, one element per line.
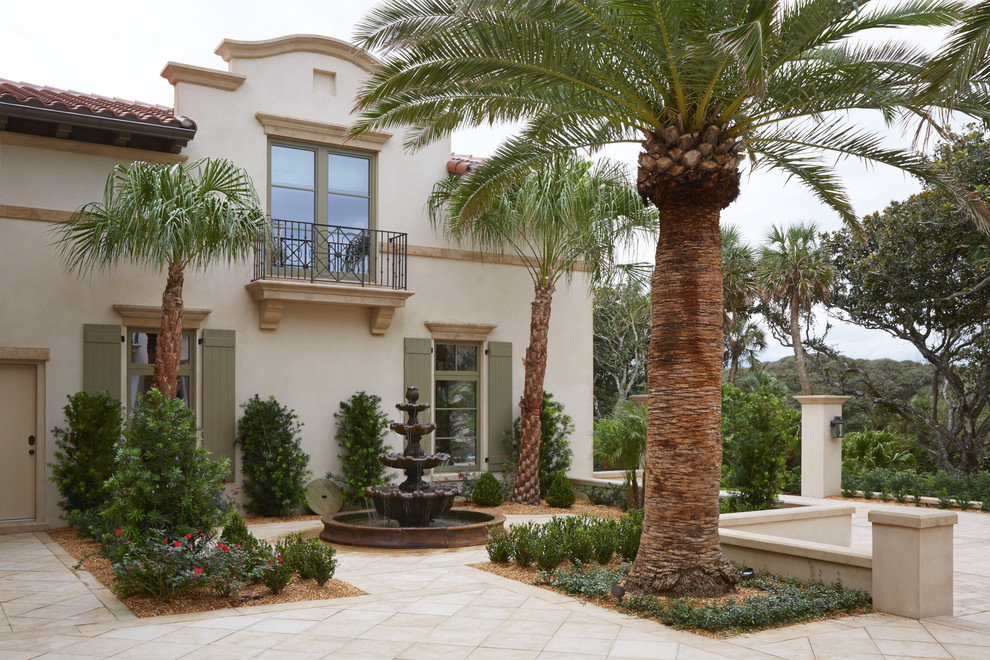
<point>836,427</point>
<point>618,591</point>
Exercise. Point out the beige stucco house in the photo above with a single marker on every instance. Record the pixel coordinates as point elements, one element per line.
<point>357,293</point>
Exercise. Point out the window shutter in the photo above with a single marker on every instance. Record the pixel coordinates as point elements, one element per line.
<point>500,407</point>
<point>101,359</point>
<point>418,372</point>
<point>219,406</point>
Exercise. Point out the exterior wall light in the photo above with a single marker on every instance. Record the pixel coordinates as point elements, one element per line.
<point>836,428</point>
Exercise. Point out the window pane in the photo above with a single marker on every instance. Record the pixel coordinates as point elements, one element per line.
<point>457,394</point>
<point>462,450</point>
<point>141,384</point>
<point>289,204</point>
<point>293,167</point>
<point>467,358</point>
<point>348,174</point>
<point>446,357</point>
<point>144,345</point>
<point>347,211</point>
<point>456,423</point>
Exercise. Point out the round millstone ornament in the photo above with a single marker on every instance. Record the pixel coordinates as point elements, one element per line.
<point>323,497</point>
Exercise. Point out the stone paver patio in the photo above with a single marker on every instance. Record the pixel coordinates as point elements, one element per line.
<point>431,604</point>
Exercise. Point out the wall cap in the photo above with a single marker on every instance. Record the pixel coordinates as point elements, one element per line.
<point>459,331</point>
<point>230,49</point>
<point>821,399</point>
<point>174,72</point>
<point>911,518</point>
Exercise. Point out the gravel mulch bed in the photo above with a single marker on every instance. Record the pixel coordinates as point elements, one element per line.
<point>909,503</point>
<point>579,507</point>
<point>84,550</point>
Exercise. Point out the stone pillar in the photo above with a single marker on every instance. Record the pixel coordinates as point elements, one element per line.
<point>821,455</point>
<point>912,561</point>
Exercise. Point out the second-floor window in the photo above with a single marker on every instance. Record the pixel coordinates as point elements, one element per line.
<point>321,203</point>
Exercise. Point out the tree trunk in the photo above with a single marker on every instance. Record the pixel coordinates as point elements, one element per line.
<point>169,352</point>
<point>802,368</point>
<point>526,489</point>
<point>679,553</point>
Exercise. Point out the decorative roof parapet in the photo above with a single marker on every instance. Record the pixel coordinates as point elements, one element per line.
<point>230,49</point>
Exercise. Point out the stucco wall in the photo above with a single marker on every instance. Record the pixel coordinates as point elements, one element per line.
<point>319,355</point>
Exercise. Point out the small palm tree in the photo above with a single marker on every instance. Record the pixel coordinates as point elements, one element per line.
<point>167,217</point>
<point>796,274</point>
<point>565,213</point>
<point>744,338</point>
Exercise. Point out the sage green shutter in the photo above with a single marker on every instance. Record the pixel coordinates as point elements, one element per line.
<point>500,406</point>
<point>219,406</point>
<point>418,372</point>
<point>101,359</point>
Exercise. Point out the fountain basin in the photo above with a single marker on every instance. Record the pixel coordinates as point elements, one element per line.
<point>457,528</point>
<point>415,508</point>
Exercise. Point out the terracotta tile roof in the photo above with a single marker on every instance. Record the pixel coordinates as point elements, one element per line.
<point>26,94</point>
<point>461,164</point>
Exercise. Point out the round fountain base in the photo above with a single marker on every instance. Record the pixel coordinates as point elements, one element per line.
<point>458,528</point>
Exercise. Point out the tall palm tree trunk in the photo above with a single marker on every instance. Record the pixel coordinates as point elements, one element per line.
<point>166,374</point>
<point>679,552</point>
<point>802,367</point>
<point>527,485</point>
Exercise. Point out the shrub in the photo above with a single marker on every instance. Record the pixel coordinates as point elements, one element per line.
<point>550,546</point>
<point>488,491</point>
<point>603,536</point>
<point>226,567</point>
<point>758,432</point>
<point>158,565</point>
<point>84,458</point>
<point>627,539</point>
<point>275,574</point>
<point>273,460</point>
<point>868,450</point>
<point>555,451</point>
<point>580,545</point>
<point>236,534</point>
<point>309,557</point>
<point>561,494</point>
<point>523,550</point>
<point>610,495</point>
<point>161,480</point>
<point>361,429</point>
<point>499,547</point>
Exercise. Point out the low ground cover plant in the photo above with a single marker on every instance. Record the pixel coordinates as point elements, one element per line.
<point>783,600</point>
<point>272,457</point>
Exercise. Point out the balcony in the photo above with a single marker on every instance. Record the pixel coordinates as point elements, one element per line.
<point>330,265</point>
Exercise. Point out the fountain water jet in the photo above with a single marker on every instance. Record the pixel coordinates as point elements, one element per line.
<point>417,513</point>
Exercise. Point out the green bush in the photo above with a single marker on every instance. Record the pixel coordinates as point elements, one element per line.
<point>550,545</point>
<point>948,487</point>
<point>499,548</point>
<point>84,458</point>
<point>276,574</point>
<point>273,460</point>
<point>610,495</point>
<point>487,491</point>
<point>869,450</point>
<point>561,494</point>
<point>157,565</point>
<point>361,429</point>
<point>311,558</point>
<point>630,531</point>
<point>226,567</point>
<point>523,544</point>
<point>758,431</point>
<point>603,535</point>
<point>555,451</point>
<point>161,479</point>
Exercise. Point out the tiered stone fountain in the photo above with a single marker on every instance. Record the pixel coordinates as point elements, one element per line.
<point>417,513</point>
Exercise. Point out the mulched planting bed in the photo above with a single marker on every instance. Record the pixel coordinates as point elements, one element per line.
<point>84,550</point>
<point>579,507</point>
<point>533,576</point>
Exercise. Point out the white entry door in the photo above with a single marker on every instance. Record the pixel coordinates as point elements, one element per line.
<point>19,442</point>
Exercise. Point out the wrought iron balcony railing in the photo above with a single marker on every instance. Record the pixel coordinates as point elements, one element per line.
<point>328,253</point>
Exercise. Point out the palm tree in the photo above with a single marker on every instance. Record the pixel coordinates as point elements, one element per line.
<point>565,213</point>
<point>738,276</point>
<point>744,338</point>
<point>795,273</point>
<point>168,217</point>
<point>700,85</point>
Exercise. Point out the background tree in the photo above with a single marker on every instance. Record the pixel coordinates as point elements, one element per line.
<point>697,84</point>
<point>742,337</point>
<point>621,336</point>
<point>565,213</point>
<point>903,275</point>
<point>167,217</point>
<point>794,274</point>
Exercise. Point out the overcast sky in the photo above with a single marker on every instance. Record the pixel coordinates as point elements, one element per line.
<point>119,47</point>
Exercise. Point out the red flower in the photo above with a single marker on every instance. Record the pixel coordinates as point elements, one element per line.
<point>166,541</point>
<point>198,570</point>
<point>269,563</point>
<point>280,559</point>
<point>177,544</point>
<point>226,548</point>
<point>188,536</point>
<point>118,532</point>
<point>460,474</point>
